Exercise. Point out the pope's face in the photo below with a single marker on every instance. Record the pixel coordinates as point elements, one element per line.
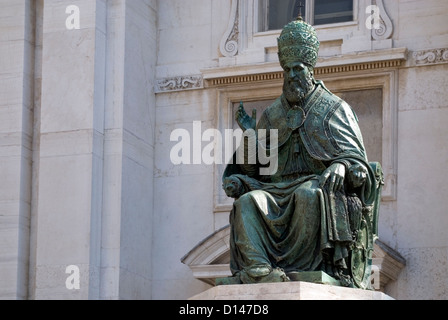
<point>298,81</point>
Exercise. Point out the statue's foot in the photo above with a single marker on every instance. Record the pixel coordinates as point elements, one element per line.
<point>346,280</point>
<point>263,275</point>
<point>258,272</point>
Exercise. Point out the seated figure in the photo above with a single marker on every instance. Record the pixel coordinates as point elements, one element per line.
<point>317,211</point>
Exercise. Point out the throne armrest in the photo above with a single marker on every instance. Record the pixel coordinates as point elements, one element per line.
<point>378,171</point>
<point>379,180</point>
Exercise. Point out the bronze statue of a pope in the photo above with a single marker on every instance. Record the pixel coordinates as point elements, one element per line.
<point>318,210</point>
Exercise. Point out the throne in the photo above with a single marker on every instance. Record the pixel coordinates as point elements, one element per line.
<point>360,258</point>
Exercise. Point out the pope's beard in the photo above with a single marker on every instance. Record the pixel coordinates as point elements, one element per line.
<point>296,90</point>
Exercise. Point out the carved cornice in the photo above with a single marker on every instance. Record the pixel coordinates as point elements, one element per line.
<point>364,62</point>
<point>432,56</point>
<point>245,79</point>
<point>179,83</point>
<point>272,76</point>
<point>272,71</point>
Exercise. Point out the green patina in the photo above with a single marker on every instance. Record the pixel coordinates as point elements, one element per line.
<point>315,217</point>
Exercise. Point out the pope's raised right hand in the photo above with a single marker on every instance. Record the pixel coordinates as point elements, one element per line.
<point>244,121</point>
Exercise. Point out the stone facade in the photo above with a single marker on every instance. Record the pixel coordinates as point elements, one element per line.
<point>86,117</point>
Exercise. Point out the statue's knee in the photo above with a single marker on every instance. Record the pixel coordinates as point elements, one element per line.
<point>307,190</point>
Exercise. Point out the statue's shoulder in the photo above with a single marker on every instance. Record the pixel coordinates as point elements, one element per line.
<point>341,106</point>
<point>273,113</point>
<point>327,99</point>
<point>275,108</point>
<point>325,93</point>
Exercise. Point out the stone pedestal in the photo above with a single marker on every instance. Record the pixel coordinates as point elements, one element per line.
<point>288,291</point>
<point>311,276</point>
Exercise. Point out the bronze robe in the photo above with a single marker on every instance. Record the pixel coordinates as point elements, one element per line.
<point>286,220</point>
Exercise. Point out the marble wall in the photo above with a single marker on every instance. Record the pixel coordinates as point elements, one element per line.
<point>78,143</point>
<point>86,117</point>
<point>421,217</point>
<point>412,216</point>
<point>17,41</point>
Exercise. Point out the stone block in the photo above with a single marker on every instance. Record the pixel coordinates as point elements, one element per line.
<point>288,291</point>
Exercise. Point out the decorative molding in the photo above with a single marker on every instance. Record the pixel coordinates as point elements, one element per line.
<point>179,83</point>
<point>386,28</point>
<point>388,261</point>
<point>319,71</point>
<point>367,66</point>
<point>229,42</point>
<point>245,79</point>
<point>432,56</point>
<point>217,242</point>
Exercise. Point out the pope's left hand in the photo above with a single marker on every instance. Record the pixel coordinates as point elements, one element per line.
<point>335,174</point>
